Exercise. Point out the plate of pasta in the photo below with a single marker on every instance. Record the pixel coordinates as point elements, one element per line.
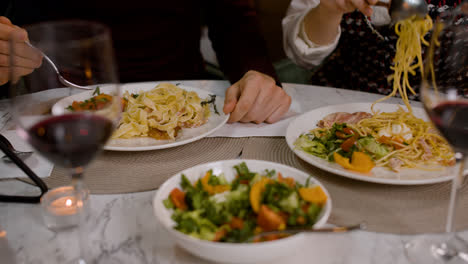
<point>155,115</point>
<point>386,144</point>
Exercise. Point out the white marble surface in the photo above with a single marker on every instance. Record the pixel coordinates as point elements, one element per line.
<point>124,230</point>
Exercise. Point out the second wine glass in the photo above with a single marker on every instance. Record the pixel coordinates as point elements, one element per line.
<point>444,93</point>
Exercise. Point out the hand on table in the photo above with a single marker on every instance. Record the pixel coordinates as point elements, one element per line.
<point>26,58</point>
<point>256,98</point>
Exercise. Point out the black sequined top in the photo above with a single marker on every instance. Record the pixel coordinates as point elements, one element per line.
<point>362,60</point>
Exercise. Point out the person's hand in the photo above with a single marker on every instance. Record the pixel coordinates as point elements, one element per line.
<point>26,58</point>
<point>256,98</point>
<point>346,6</point>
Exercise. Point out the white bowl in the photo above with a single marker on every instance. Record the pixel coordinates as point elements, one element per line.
<point>233,252</point>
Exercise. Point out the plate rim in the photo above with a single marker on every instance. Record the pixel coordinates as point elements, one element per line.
<point>346,173</point>
<point>161,146</point>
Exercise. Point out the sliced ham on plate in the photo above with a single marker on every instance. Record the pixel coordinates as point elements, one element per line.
<point>342,117</point>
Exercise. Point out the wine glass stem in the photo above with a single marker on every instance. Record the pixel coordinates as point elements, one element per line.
<point>77,177</point>
<point>456,185</point>
<point>80,189</point>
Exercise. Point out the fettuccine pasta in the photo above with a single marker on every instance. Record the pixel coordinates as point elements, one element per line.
<point>161,113</point>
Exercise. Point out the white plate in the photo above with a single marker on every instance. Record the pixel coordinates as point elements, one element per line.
<point>184,136</point>
<point>233,252</point>
<point>307,121</point>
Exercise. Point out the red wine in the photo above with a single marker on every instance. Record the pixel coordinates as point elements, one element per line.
<point>451,118</point>
<point>70,140</point>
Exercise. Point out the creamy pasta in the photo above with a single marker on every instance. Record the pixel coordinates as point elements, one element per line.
<point>161,112</point>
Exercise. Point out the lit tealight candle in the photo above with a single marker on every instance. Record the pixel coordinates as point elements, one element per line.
<point>63,206</point>
<point>60,207</point>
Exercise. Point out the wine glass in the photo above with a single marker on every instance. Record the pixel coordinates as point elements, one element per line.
<point>70,137</point>
<point>444,93</point>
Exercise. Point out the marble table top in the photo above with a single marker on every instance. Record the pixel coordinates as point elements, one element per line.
<point>125,230</point>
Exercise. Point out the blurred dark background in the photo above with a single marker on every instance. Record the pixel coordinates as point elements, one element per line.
<point>270,13</point>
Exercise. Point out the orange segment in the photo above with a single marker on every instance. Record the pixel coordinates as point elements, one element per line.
<point>213,189</point>
<point>360,162</point>
<point>256,193</point>
<point>342,161</point>
<point>314,194</point>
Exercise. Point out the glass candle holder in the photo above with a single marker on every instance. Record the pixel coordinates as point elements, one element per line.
<point>61,207</point>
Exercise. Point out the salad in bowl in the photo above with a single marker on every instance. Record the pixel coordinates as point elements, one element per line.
<point>213,210</point>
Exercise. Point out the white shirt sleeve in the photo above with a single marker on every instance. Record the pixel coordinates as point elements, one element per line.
<point>297,45</point>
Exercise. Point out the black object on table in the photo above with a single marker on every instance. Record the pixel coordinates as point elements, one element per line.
<point>5,147</point>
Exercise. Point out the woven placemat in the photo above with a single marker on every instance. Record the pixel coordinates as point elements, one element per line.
<point>124,172</point>
<point>386,208</point>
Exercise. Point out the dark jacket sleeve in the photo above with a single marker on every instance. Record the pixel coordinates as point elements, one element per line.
<point>235,34</point>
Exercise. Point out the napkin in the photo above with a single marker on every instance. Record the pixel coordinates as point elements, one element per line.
<point>38,164</point>
<point>277,129</point>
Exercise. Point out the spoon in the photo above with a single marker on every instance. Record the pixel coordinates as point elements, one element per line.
<point>402,9</point>
<point>288,232</point>
<point>21,154</point>
<point>60,77</point>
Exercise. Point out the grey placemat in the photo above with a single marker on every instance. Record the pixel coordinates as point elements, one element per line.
<point>124,172</point>
<point>386,208</point>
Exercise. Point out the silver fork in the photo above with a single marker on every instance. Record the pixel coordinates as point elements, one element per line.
<point>21,154</point>
<point>339,229</point>
<point>60,77</point>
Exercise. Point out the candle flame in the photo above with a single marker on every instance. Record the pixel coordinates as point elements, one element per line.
<point>68,202</point>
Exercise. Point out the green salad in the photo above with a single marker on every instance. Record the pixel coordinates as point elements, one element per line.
<point>217,210</point>
<point>341,144</point>
<point>342,139</point>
